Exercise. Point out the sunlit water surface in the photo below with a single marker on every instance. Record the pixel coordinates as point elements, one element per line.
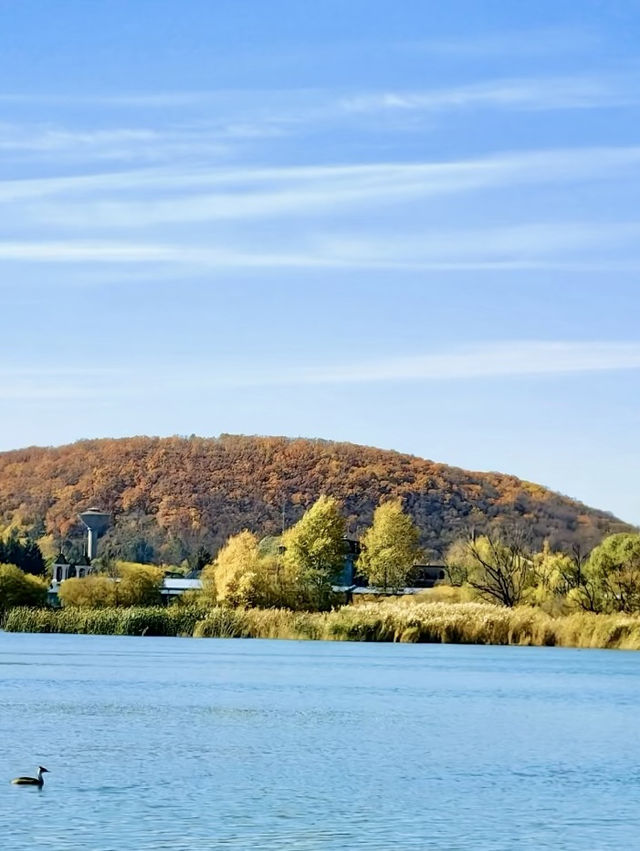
<point>171,743</point>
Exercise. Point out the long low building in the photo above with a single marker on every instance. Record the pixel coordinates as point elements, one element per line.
<point>173,587</point>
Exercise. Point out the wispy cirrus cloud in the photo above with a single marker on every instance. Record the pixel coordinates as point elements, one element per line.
<point>533,244</point>
<point>492,360</point>
<point>551,93</point>
<point>480,361</point>
<point>195,257</point>
<point>144,198</point>
<point>246,115</point>
<point>578,246</point>
<point>144,144</point>
<point>39,138</point>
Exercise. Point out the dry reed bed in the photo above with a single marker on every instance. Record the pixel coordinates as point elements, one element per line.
<point>387,620</point>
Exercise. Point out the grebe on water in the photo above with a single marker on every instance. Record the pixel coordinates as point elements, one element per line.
<point>32,781</point>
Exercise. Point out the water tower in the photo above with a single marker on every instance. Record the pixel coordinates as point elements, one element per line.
<point>96,522</point>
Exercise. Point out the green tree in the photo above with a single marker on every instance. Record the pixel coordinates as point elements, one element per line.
<point>25,554</point>
<point>390,548</point>
<point>32,559</point>
<point>20,589</point>
<point>11,549</point>
<point>200,559</point>
<point>314,552</point>
<point>612,575</point>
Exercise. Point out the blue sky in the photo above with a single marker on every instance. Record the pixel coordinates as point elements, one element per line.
<point>407,224</point>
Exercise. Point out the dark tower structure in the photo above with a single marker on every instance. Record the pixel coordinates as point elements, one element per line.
<point>96,522</point>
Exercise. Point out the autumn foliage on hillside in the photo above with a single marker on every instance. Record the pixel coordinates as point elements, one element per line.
<point>170,496</point>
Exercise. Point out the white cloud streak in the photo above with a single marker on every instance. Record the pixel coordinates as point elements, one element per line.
<point>118,144</point>
<point>559,245</point>
<point>489,361</point>
<point>548,92</point>
<point>250,115</point>
<point>578,92</point>
<point>503,360</point>
<point>495,361</point>
<point>150,197</point>
<point>149,253</point>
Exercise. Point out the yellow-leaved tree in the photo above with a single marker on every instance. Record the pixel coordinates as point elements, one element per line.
<point>139,585</point>
<point>314,553</point>
<point>236,576</point>
<point>390,548</point>
<point>554,575</point>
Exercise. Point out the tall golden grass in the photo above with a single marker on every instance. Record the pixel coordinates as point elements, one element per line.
<point>480,623</point>
<point>387,620</point>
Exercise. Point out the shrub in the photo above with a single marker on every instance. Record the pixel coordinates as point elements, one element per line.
<point>135,585</point>
<point>20,589</point>
<point>94,591</point>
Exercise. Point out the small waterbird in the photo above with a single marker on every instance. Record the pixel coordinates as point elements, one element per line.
<point>32,781</point>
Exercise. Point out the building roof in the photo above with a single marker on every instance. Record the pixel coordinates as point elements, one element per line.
<point>171,583</point>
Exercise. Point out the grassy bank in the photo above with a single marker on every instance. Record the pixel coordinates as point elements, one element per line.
<point>387,620</point>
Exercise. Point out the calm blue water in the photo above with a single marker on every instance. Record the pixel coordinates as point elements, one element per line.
<point>170,743</point>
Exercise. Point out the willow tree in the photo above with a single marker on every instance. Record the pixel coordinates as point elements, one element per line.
<point>314,552</point>
<point>390,548</point>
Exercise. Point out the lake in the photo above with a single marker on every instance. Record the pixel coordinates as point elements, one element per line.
<point>165,743</point>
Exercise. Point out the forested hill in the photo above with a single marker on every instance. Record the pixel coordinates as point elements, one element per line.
<point>171,495</point>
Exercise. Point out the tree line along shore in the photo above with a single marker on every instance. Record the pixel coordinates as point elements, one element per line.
<point>496,591</point>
